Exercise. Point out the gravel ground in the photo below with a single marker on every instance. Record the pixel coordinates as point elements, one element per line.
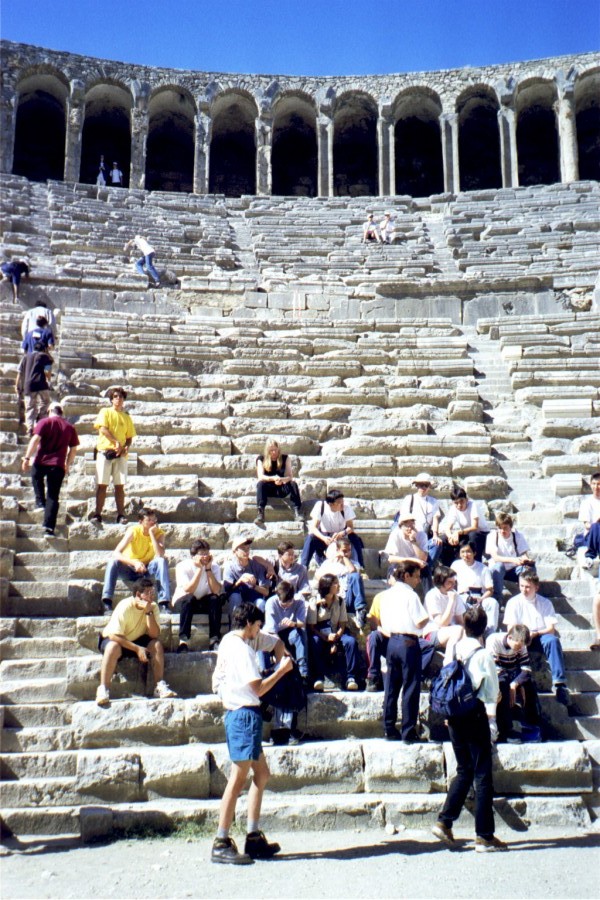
<point>311,865</point>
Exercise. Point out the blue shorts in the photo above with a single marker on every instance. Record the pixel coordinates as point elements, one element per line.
<point>243,731</point>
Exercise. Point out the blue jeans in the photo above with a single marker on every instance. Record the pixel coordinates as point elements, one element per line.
<point>552,649</point>
<point>296,640</point>
<point>315,547</point>
<point>355,599</point>
<point>347,662</point>
<point>500,574</point>
<point>246,594</point>
<point>592,541</point>
<point>145,262</point>
<point>158,568</point>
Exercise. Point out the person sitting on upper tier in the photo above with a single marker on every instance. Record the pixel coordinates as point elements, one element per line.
<point>275,479</point>
<point>427,514</point>
<point>287,568</point>
<point>589,514</point>
<point>370,230</point>
<point>475,585</point>
<point>330,646</point>
<point>508,552</point>
<point>347,572</point>
<point>463,520</point>
<point>198,589</point>
<point>245,578</point>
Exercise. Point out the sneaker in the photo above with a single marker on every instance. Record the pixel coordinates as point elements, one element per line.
<point>164,606</point>
<point>107,603</point>
<point>595,646</point>
<point>491,845</point>
<point>95,518</point>
<point>258,847</point>
<point>351,685</point>
<point>374,685</point>
<point>224,850</point>
<point>393,735</point>
<point>162,691</point>
<point>213,644</point>
<point>102,696</point>
<point>587,562</point>
<point>561,692</point>
<point>296,737</point>
<point>49,532</point>
<point>183,647</point>
<point>298,515</point>
<point>443,833</point>
<point>319,685</point>
<point>260,517</point>
<point>122,520</point>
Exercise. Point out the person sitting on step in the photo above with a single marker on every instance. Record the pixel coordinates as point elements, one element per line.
<point>331,647</point>
<point>347,572</point>
<point>537,612</point>
<point>427,514</point>
<point>463,520</point>
<point>330,520</point>
<point>133,630</point>
<point>517,689</point>
<point>285,617</point>
<point>475,585</point>
<point>406,544</point>
<point>508,552</point>
<point>245,579</point>
<point>198,588</point>
<point>446,611</point>
<point>141,551</point>
<point>370,230</point>
<point>287,568</point>
<point>589,515</point>
<point>275,479</point>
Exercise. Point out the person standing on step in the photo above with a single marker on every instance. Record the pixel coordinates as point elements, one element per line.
<point>144,265</point>
<point>50,454</point>
<point>116,176</point>
<point>238,683</point>
<point>141,551</point>
<point>471,738</point>
<point>116,431</point>
<point>33,382</point>
<point>41,333</point>
<point>133,630</point>
<point>198,588</point>
<point>275,479</point>
<point>13,271</point>
<point>101,176</point>
<point>402,618</point>
<point>30,318</point>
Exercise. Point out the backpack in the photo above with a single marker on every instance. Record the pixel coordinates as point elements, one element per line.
<point>452,692</point>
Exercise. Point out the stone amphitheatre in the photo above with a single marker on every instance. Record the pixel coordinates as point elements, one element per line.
<point>468,347</point>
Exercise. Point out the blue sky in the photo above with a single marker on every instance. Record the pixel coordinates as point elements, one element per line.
<point>311,37</point>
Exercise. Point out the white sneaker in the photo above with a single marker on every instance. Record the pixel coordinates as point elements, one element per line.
<point>102,696</point>
<point>318,686</point>
<point>351,685</point>
<point>162,691</point>
<point>587,563</point>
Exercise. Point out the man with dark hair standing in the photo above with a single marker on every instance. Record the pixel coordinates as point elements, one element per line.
<point>198,589</point>
<point>50,454</point>
<point>238,683</point>
<point>115,434</point>
<point>41,333</point>
<point>472,741</point>
<point>33,381</point>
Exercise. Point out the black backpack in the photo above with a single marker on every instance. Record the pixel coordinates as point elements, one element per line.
<point>452,692</point>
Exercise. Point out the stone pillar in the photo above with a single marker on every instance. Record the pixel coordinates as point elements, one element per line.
<point>325,155</point>
<point>74,130</point>
<point>449,134</point>
<point>8,118</point>
<point>202,133</point>
<point>386,154</point>
<point>509,164</point>
<point>264,145</point>
<point>139,139</point>
<point>567,133</point>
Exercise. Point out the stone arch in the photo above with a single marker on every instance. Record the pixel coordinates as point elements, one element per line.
<point>106,130</point>
<point>418,143</point>
<point>537,133</point>
<point>170,144</point>
<point>41,125</point>
<point>478,139</point>
<point>355,145</point>
<point>294,155</point>
<point>232,163</point>
<point>587,117</point>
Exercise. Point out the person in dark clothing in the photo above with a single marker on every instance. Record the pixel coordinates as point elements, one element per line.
<point>275,479</point>
<point>42,333</point>
<point>32,382</point>
<point>13,271</point>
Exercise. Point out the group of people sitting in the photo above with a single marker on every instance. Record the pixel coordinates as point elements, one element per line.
<point>379,233</point>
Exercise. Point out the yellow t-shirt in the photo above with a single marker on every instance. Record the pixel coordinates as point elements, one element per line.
<point>375,609</point>
<point>128,621</point>
<point>119,424</point>
<point>141,546</point>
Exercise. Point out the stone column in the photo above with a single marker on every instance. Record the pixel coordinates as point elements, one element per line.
<point>202,133</point>
<point>449,134</point>
<point>8,118</point>
<point>74,130</point>
<point>325,155</point>
<point>507,126</point>
<point>139,138</point>
<point>264,145</point>
<point>386,155</point>
<point>567,133</point>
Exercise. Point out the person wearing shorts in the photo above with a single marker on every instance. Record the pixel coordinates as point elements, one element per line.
<point>115,434</point>
<point>237,681</point>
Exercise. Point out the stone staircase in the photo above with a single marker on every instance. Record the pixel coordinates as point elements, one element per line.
<point>361,402</point>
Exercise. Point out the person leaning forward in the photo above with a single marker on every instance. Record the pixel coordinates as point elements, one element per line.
<point>116,431</point>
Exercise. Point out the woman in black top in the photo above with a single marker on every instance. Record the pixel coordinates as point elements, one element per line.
<point>275,479</point>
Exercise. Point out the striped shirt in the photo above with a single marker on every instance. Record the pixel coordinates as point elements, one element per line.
<point>515,664</point>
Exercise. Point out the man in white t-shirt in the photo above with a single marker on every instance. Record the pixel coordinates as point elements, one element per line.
<point>352,590</point>
<point>508,552</point>
<point>144,265</point>
<point>589,515</point>
<point>406,544</point>
<point>427,513</point>
<point>330,520</point>
<point>402,618</point>
<point>475,585</point>
<point>198,589</point>
<point>537,612</point>
<point>463,520</point>
<point>238,683</point>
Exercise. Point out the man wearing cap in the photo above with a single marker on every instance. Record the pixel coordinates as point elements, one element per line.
<point>406,543</point>
<point>245,579</point>
<point>50,454</point>
<point>427,515</point>
<point>370,232</point>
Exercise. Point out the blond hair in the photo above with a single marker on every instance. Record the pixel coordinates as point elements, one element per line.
<point>267,462</point>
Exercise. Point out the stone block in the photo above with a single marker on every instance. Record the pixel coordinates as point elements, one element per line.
<point>473,464</point>
<point>490,487</point>
<point>567,409</point>
<point>565,485</point>
<point>129,722</point>
<point>109,775</point>
<point>583,463</point>
<point>395,767</point>
<point>175,771</point>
